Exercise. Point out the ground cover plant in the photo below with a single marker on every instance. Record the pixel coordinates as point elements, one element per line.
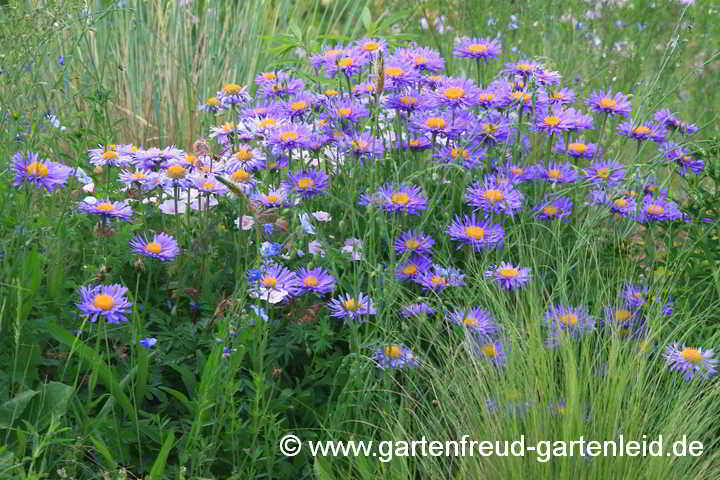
<point>386,225</point>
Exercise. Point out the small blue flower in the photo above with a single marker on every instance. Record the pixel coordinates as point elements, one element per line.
<point>260,312</point>
<point>254,274</point>
<point>270,249</point>
<point>268,228</point>
<point>148,342</point>
<point>306,225</point>
<point>61,60</point>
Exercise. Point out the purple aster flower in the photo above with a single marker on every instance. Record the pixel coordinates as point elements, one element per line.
<point>47,174</point>
<point>647,131</point>
<point>524,68</point>
<point>399,72</point>
<point>415,310</point>
<point>363,145</point>
<point>508,276</point>
<point>438,278</point>
<point>316,280</point>
<point>206,184</point>
<point>176,175</point>
<point>144,179</point>
<point>350,63</point>
<point>476,320</point>
<point>575,321</point>
<point>691,361</point>
<point>671,122</point>
<point>558,207</point>
<point>162,246</point>
<point>524,100</point>
<point>553,122</point>
<point>562,96</point>
<point>411,269</point>
<point>455,93</point>
<point>481,235</point>
<point>492,129</point>
<point>467,156</point>
<point>577,149</point>
<point>491,351</point>
<point>494,197</point>
<point>394,356</point>
<point>682,157</point>
<point>109,155</point>
<point>624,205</point>
<point>364,89</point>
<point>308,183</point>
<point>438,123</point>
<point>350,307</point>
<point>636,296</point>
<point>579,120</point>
<point>621,318</point>
<point>107,301</point>
<point>409,199</point>
<point>275,284</point>
<point>607,173</point>
<point>658,209</point>
<point>212,105</point>
<point>290,136</point>
<point>347,110</point>
<point>414,242</point>
<point>416,144</point>
<point>233,94</point>
<point>497,96</point>
<point>519,173</point>
<point>558,173</point>
<point>242,179</point>
<point>614,105</point>
<point>372,46</point>
<point>477,48</point>
<point>423,58</point>
<point>223,134</point>
<point>274,198</point>
<point>107,209</point>
<point>246,157</point>
<point>282,88</point>
<point>300,104</point>
<point>406,101</point>
<point>264,79</point>
<point>148,342</point>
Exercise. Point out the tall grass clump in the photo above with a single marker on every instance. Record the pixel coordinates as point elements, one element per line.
<point>243,230</point>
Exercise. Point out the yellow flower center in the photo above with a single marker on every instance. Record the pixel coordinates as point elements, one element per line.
<point>693,355</point>
<point>509,272</point>
<point>138,175</point>
<point>241,175</point>
<point>478,48</point>
<point>415,142</point>
<point>486,97</point>
<point>394,71</point>
<point>621,203</point>
<point>331,92</point>
<point>578,148</point>
<point>453,93</point>
<point>104,301</point>
<point>260,111</point>
<point>622,315</point>
<point>105,207</point>
<point>551,121</point>
<point>420,60</point>
<point>555,173</point>
<point>334,52</point>
<point>351,304</point>
<point>228,127</point>
<point>435,122</point>
<point>460,152</point>
<point>154,247</point>
<point>438,280</point>
<point>525,67</point>
<point>37,169</point>
<point>393,351</point>
<point>176,171</point>
<point>603,172</point>
<point>568,319</point>
<point>212,102</point>
<point>110,155</point>
<point>517,171</point>
<point>490,350</point>
<point>287,136</point>
<point>474,232</point>
<point>208,186</point>
<point>470,320</point>
<point>232,89</point>
<point>410,269</point>
<point>371,46</point>
<point>344,112</point>
<point>345,62</point>
<point>273,198</point>
<point>655,210</point>
<point>412,244</point>
<point>305,182</point>
<point>490,128</point>
<point>525,97</point>
<point>269,76</point>
<point>407,100</point>
<point>400,198</point>
<point>268,122</point>
<point>244,154</point>
<point>558,95</point>
<point>550,210</point>
<point>269,282</point>
<point>310,281</point>
<point>359,144</point>
<point>641,130</point>
<point>297,106</point>
<point>608,103</point>
<point>494,196</point>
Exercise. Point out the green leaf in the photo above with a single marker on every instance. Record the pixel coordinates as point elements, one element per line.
<point>158,467</point>
<point>366,17</point>
<point>52,401</point>
<point>13,408</point>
